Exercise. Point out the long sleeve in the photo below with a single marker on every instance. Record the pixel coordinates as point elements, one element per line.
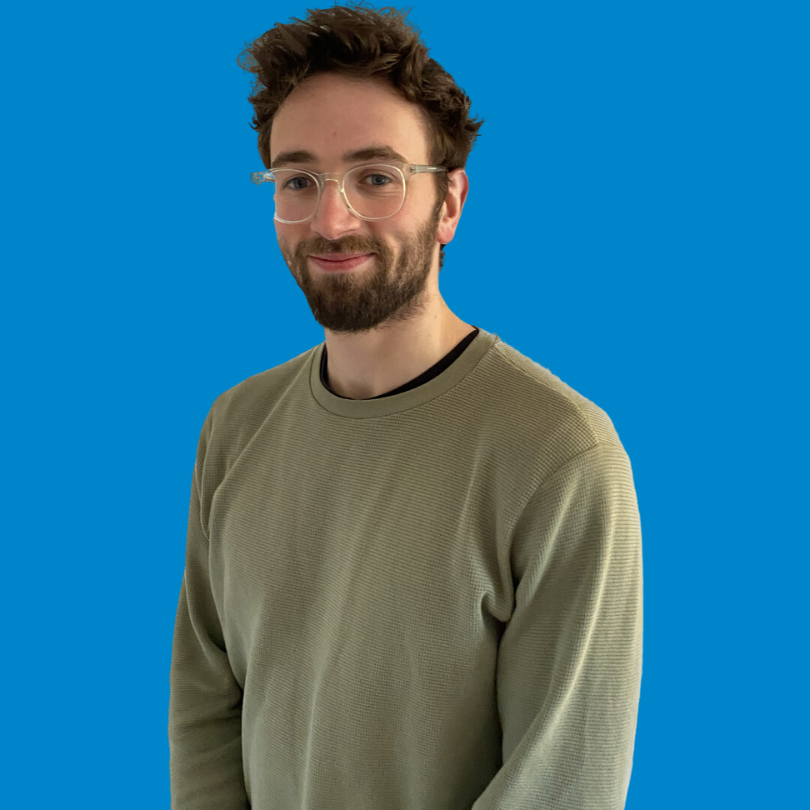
<point>569,663</point>
<point>205,704</point>
<point>428,600</point>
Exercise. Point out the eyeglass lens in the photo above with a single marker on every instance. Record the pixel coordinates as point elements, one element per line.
<point>373,191</point>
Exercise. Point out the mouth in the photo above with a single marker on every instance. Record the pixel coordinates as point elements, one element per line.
<point>338,257</point>
<point>337,264</point>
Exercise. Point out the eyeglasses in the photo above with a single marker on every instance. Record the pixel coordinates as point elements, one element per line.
<point>298,191</point>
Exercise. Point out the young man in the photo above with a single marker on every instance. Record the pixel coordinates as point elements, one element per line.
<point>413,571</point>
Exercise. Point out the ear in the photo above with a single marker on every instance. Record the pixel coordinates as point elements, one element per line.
<point>453,205</point>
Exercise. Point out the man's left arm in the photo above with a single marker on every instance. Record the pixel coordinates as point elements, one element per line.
<point>569,662</point>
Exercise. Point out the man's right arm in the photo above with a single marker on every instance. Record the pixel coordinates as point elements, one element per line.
<point>205,702</point>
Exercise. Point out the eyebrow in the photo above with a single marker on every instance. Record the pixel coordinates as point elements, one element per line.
<point>367,153</point>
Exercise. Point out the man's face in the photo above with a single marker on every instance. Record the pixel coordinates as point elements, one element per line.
<point>329,115</point>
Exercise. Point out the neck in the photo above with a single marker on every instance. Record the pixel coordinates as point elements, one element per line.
<point>363,366</point>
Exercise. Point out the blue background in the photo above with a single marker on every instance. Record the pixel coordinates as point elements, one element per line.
<point>657,265</point>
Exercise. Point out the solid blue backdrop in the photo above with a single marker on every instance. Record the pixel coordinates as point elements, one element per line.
<point>655,261</point>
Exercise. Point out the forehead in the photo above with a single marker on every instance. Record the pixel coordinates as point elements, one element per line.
<point>333,120</point>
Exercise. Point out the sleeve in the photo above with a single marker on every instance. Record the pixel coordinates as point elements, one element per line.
<point>205,703</point>
<point>569,662</point>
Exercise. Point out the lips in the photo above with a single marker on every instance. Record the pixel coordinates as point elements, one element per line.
<point>338,257</point>
<point>332,266</point>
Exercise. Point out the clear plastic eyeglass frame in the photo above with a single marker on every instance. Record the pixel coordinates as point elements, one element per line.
<point>338,177</point>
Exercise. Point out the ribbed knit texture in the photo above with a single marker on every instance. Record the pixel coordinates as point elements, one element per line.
<point>426,601</point>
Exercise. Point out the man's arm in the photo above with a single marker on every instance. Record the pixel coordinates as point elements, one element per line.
<point>569,663</point>
<point>205,703</point>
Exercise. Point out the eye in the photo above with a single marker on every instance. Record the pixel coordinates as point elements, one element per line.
<point>384,177</point>
<point>293,179</point>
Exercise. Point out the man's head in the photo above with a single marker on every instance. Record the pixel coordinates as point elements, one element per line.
<point>329,115</point>
<point>342,80</point>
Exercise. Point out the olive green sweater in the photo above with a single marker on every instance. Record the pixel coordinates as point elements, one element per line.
<point>428,600</point>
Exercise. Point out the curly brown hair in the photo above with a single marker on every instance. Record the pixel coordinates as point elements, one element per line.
<point>364,43</point>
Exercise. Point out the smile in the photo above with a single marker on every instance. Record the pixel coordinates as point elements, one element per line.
<point>336,267</point>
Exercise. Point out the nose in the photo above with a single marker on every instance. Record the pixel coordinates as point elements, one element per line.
<point>332,203</point>
<point>333,219</point>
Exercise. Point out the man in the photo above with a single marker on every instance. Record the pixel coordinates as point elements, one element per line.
<point>413,571</point>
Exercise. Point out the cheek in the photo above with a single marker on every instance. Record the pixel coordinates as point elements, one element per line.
<point>286,243</point>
